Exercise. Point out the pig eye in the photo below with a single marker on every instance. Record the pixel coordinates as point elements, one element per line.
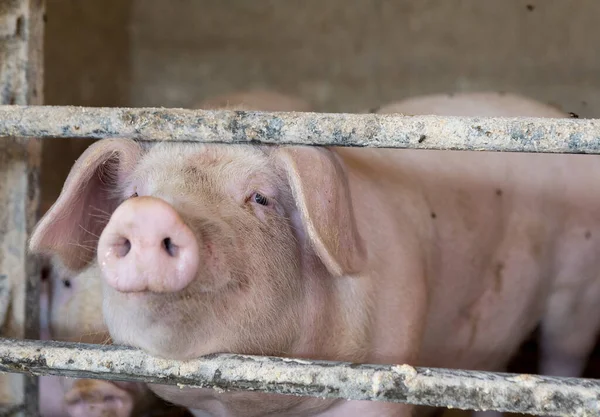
<point>260,199</point>
<point>67,283</point>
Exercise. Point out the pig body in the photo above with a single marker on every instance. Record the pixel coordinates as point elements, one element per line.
<point>431,258</point>
<point>477,104</point>
<point>565,304</point>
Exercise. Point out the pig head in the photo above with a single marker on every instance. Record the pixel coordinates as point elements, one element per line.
<point>219,235</point>
<point>209,248</point>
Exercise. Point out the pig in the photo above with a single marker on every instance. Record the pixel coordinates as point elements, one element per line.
<point>428,258</point>
<point>475,104</point>
<point>73,307</point>
<point>75,313</point>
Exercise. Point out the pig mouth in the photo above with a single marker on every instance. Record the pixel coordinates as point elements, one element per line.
<point>164,308</point>
<point>151,301</point>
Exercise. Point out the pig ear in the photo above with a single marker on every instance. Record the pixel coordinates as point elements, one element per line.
<point>320,188</point>
<point>70,229</point>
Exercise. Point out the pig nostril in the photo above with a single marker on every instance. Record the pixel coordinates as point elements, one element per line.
<point>123,247</point>
<point>45,273</point>
<point>170,247</point>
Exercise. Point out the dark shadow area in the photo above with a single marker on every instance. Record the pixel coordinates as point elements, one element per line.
<point>87,63</point>
<point>526,359</point>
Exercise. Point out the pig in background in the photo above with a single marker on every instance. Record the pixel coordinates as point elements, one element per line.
<point>444,259</point>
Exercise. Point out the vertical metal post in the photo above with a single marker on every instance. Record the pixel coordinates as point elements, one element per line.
<point>21,82</point>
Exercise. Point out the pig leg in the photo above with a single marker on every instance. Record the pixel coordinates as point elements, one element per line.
<point>568,333</point>
<point>569,330</point>
<point>570,325</point>
<point>572,318</point>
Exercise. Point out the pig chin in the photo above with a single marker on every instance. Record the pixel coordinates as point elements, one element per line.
<point>157,324</point>
<point>183,325</point>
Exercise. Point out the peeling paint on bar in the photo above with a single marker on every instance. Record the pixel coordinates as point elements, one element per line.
<point>568,135</point>
<point>469,390</point>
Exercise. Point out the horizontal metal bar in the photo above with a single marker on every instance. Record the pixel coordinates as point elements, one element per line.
<point>566,135</point>
<point>469,390</point>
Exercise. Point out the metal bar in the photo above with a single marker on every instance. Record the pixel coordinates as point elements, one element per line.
<point>469,390</point>
<point>12,410</point>
<point>558,135</point>
<point>21,82</point>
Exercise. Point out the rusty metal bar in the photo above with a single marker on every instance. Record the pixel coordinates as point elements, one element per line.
<point>21,83</point>
<point>565,135</point>
<point>469,390</point>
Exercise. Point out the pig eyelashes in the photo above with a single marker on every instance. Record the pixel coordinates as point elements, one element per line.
<point>260,199</point>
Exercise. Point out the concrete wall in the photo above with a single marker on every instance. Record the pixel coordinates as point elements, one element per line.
<point>342,55</point>
<point>87,63</point>
<point>345,55</point>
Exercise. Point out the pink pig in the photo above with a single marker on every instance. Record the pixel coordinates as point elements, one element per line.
<point>430,258</point>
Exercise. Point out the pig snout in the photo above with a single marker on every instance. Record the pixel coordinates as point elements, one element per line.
<point>90,398</point>
<point>146,246</point>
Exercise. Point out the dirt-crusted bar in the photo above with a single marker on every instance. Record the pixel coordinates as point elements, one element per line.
<point>567,135</point>
<point>21,83</point>
<point>392,383</point>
